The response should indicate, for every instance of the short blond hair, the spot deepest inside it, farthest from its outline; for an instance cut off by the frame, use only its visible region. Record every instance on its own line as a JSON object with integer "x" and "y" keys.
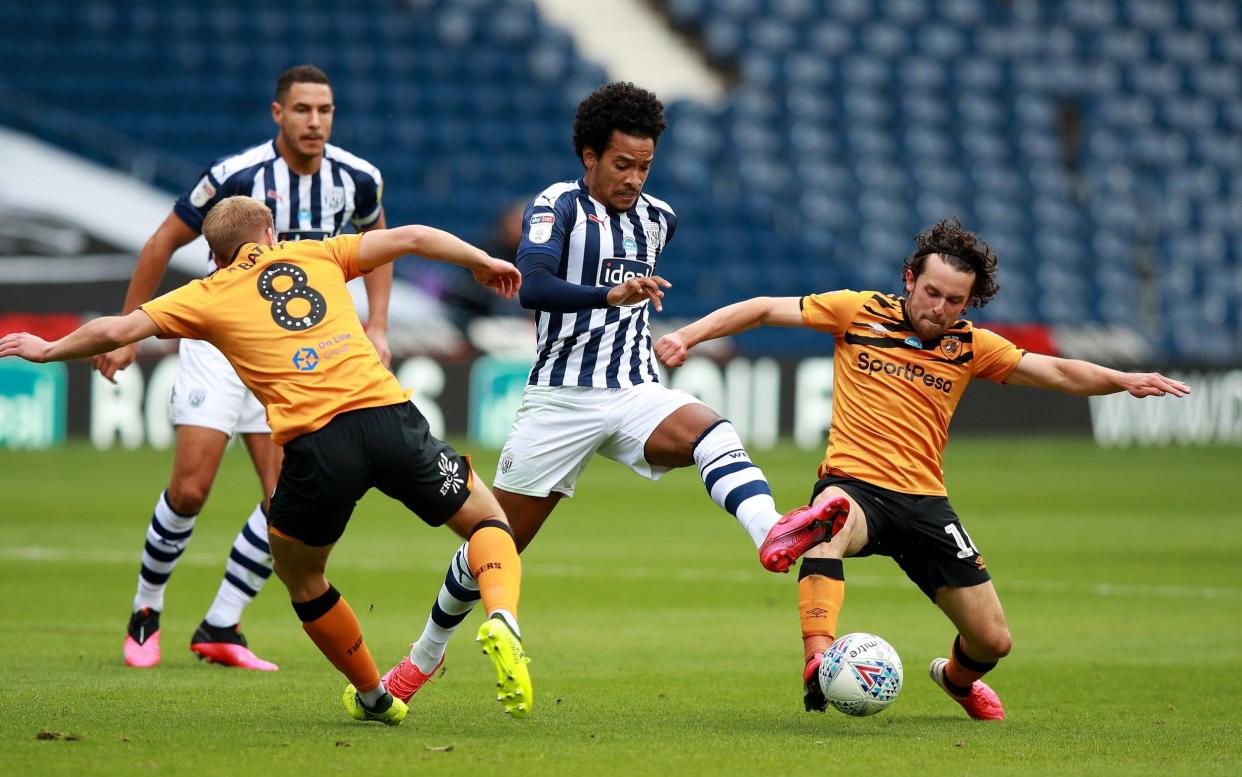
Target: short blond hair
{"x": 233, "y": 222}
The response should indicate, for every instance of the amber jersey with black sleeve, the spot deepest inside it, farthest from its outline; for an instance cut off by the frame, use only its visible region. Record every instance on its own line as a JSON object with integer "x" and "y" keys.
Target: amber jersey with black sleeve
{"x": 894, "y": 394}
{"x": 285, "y": 320}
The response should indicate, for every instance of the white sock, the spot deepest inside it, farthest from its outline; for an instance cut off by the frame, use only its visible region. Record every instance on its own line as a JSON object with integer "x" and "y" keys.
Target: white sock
{"x": 248, "y": 568}
{"x": 510, "y": 620}
{"x": 168, "y": 534}
{"x": 371, "y": 698}
{"x": 734, "y": 482}
{"x": 457, "y": 597}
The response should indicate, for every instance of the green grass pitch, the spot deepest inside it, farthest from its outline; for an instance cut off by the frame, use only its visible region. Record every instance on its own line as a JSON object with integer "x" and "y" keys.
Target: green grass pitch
{"x": 659, "y": 645}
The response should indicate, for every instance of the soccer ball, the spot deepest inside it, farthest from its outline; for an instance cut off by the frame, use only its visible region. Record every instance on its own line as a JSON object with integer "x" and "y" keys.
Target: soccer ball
{"x": 860, "y": 674}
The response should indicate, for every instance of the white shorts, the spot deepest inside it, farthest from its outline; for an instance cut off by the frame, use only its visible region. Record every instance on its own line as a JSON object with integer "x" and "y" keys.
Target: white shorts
{"x": 558, "y": 428}
{"x": 208, "y": 393}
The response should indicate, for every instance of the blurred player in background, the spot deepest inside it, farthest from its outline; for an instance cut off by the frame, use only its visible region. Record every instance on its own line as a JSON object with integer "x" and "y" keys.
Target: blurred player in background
{"x": 314, "y": 190}
{"x": 345, "y": 422}
{"x": 588, "y": 257}
{"x": 463, "y": 301}
{"x": 901, "y": 365}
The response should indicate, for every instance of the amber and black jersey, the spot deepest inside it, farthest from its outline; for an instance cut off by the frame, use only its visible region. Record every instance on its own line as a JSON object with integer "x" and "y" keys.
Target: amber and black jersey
{"x": 285, "y": 320}
{"x": 893, "y": 394}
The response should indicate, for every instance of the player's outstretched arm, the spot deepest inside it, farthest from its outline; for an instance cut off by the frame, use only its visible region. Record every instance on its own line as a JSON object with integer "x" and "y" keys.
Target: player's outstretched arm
{"x": 381, "y": 246}
{"x": 1085, "y": 379}
{"x": 172, "y": 234}
{"x": 102, "y": 334}
{"x": 672, "y": 349}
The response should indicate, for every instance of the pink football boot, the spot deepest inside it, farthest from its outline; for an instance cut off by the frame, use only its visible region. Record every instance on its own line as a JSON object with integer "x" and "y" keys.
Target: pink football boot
{"x": 812, "y": 694}
{"x": 142, "y": 640}
{"x": 404, "y": 679}
{"x": 227, "y": 647}
{"x": 981, "y": 703}
{"x": 800, "y": 530}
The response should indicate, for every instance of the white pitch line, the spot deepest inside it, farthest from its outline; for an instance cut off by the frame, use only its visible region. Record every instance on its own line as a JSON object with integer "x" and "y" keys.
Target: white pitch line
{"x": 682, "y": 574}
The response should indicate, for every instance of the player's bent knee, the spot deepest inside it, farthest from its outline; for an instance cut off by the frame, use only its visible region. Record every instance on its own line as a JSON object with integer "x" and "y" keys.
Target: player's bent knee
{"x": 480, "y": 507}
{"x": 303, "y": 582}
{"x": 853, "y": 534}
{"x": 1002, "y": 644}
{"x": 992, "y": 645}
{"x": 188, "y": 496}
{"x": 307, "y": 588}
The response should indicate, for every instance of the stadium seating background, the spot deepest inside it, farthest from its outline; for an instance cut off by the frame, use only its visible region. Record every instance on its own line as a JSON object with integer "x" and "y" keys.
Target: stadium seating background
{"x": 1094, "y": 143}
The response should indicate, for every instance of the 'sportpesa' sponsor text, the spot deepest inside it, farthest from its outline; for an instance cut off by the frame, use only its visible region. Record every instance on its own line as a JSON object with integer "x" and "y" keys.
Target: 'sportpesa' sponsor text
{"x": 915, "y": 373}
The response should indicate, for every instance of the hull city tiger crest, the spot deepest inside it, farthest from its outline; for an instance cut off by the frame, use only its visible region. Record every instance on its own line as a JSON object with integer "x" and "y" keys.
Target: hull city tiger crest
{"x": 950, "y": 345}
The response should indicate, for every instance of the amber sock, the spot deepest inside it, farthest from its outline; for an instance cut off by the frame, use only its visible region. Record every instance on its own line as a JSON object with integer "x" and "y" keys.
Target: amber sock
{"x": 821, "y": 592}
{"x": 496, "y": 567}
{"x": 962, "y": 670}
{"x": 332, "y": 626}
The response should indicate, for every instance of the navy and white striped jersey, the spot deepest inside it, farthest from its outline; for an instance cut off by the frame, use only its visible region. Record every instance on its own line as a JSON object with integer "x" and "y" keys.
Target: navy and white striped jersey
{"x": 346, "y": 190}
{"x": 592, "y": 246}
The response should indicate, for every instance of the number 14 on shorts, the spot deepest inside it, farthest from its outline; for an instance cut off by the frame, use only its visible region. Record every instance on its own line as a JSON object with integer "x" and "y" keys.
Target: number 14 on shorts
{"x": 965, "y": 545}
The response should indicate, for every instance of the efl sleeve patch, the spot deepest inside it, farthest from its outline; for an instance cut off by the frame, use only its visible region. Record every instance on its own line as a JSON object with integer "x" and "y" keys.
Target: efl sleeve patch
{"x": 541, "y": 227}
{"x": 201, "y": 194}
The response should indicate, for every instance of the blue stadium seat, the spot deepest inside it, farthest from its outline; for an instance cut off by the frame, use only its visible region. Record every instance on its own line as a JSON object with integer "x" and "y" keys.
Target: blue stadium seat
{"x": 964, "y": 12}
{"x": 1091, "y": 13}
{"x": 1151, "y": 14}
{"x": 831, "y": 38}
{"x": 909, "y": 12}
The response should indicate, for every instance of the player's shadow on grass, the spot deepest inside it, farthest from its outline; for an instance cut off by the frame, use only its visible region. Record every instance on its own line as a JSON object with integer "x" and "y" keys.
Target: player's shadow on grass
{"x": 883, "y": 725}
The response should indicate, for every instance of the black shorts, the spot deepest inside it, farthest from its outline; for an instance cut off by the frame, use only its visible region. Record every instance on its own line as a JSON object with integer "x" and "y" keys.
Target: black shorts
{"x": 327, "y": 471}
{"x": 921, "y": 533}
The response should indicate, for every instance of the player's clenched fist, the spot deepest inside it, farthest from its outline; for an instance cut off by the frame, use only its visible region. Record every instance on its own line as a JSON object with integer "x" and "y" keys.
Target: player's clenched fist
{"x": 671, "y": 350}
{"x": 112, "y": 362}
{"x": 637, "y": 289}
{"x": 499, "y": 275}
{"x": 24, "y": 345}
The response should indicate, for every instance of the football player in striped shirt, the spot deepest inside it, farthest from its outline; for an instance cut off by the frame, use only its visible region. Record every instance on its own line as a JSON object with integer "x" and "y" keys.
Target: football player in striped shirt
{"x": 314, "y": 190}
{"x": 588, "y": 261}
{"x": 346, "y": 424}
{"x": 900, "y": 367}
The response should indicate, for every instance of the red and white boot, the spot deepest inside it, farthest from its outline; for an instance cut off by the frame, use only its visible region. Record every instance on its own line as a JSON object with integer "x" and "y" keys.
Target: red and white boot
{"x": 981, "y": 703}
{"x": 800, "y": 530}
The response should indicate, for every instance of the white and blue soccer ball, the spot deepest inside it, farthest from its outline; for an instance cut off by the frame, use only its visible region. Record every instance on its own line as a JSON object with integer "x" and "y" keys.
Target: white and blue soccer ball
{"x": 860, "y": 674}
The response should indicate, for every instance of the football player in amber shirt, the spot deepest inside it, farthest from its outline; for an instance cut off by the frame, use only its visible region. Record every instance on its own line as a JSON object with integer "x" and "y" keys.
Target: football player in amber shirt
{"x": 281, "y": 314}
{"x": 900, "y": 367}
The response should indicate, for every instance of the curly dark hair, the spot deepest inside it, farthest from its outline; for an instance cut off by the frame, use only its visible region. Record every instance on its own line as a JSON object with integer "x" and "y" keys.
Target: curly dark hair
{"x": 962, "y": 250}
{"x": 617, "y": 106}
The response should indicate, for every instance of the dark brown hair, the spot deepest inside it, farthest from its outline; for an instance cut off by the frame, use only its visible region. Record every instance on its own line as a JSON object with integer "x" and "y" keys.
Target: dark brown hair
{"x": 301, "y": 74}
{"x": 963, "y": 251}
